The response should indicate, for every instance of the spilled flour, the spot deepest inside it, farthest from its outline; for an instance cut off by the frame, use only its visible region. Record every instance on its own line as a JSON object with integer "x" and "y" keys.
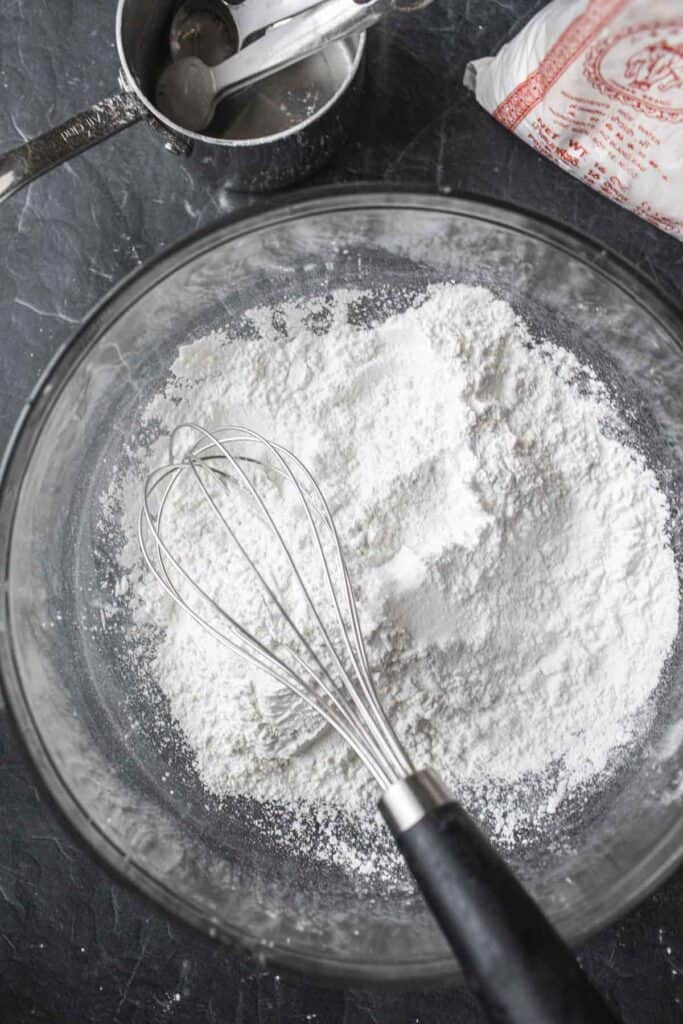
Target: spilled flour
{"x": 508, "y": 551}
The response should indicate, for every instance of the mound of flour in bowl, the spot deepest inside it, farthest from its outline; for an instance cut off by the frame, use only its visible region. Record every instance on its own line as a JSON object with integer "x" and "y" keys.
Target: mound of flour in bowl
{"x": 508, "y": 550}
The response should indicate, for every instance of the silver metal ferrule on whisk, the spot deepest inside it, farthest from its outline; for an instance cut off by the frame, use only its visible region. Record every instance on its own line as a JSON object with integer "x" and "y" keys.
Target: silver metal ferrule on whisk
{"x": 407, "y": 801}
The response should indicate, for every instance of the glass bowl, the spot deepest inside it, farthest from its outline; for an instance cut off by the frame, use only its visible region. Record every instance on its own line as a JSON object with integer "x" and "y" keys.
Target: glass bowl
{"x": 66, "y": 680}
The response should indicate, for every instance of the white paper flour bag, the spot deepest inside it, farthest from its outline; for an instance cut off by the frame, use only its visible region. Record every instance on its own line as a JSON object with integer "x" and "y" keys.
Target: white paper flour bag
{"x": 597, "y": 87}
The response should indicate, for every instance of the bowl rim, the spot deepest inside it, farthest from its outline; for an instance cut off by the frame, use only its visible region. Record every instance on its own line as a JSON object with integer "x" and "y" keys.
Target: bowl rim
{"x": 631, "y": 889}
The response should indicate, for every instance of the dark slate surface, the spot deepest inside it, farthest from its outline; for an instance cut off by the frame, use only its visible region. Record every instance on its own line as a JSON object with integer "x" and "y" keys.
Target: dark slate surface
{"x": 76, "y": 946}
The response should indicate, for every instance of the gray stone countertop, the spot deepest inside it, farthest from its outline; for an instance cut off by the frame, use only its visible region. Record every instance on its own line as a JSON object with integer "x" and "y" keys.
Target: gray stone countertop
{"x": 75, "y": 945}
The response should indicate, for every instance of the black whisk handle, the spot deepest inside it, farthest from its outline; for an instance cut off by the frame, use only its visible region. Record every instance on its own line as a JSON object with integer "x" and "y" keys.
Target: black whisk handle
{"x": 512, "y": 957}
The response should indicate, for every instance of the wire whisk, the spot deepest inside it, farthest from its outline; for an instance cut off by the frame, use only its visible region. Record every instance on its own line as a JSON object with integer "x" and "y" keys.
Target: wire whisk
{"x": 521, "y": 967}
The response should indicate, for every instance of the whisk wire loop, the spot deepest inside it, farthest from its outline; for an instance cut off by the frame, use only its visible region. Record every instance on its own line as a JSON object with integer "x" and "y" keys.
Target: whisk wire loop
{"x": 255, "y": 651}
{"x": 343, "y": 692}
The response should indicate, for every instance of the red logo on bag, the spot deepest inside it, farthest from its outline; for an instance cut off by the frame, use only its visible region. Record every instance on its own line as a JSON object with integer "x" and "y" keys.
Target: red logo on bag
{"x": 642, "y": 66}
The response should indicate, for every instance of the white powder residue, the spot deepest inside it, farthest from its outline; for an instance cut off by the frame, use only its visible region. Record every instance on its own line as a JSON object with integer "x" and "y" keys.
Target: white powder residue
{"x": 508, "y": 551}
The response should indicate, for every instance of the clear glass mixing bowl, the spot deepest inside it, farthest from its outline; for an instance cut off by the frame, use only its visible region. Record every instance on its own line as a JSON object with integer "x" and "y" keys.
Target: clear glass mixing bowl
{"x": 80, "y": 707}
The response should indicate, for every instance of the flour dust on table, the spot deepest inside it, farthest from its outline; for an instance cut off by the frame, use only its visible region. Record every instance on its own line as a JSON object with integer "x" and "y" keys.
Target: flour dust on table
{"x": 506, "y": 540}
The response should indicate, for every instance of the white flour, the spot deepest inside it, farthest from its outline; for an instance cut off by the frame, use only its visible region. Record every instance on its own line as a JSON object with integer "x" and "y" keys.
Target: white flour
{"x": 509, "y": 555}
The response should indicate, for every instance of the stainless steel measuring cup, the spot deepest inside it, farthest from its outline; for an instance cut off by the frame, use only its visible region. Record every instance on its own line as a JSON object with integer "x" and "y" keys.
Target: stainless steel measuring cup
{"x": 266, "y": 145}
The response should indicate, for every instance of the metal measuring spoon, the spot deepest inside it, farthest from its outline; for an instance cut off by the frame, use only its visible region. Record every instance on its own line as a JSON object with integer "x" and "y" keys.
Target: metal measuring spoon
{"x": 188, "y": 90}
{"x": 214, "y": 30}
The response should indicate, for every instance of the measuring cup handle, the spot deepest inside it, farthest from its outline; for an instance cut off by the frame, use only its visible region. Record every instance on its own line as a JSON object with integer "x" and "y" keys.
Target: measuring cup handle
{"x": 35, "y": 157}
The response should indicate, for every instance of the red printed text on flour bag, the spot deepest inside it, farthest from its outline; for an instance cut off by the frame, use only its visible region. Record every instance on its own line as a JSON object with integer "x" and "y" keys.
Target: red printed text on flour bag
{"x": 597, "y": 87}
